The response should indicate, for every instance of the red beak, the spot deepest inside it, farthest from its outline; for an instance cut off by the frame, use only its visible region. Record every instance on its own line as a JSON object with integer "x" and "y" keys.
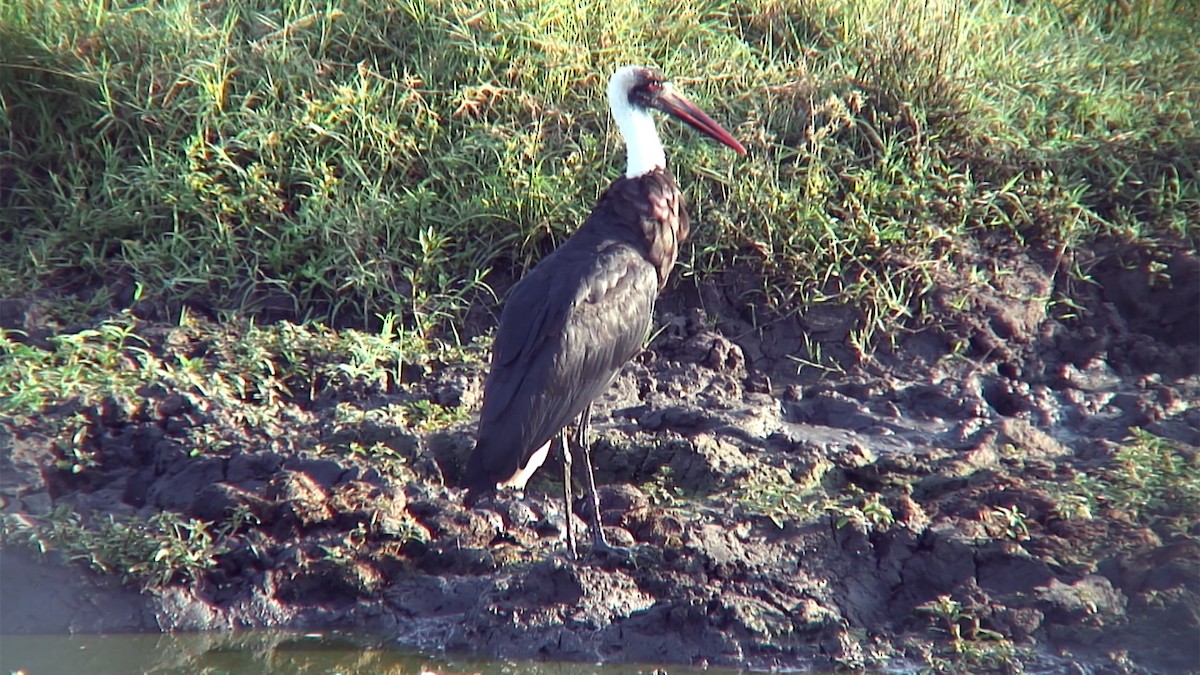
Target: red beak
{"x": 676, "y": 105}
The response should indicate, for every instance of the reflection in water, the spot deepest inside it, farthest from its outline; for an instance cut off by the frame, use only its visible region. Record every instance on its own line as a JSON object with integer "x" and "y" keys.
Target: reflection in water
{"x": 256, "y": 652}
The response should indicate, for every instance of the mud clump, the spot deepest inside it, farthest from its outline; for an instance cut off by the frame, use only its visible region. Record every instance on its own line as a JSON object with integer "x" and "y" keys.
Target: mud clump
{"x": 1003, "y": 489}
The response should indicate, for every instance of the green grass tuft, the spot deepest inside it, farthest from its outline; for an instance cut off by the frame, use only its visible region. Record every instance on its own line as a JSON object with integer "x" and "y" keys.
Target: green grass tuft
{"x": 1152, "y": 479}
{"x": 155, "y": 551}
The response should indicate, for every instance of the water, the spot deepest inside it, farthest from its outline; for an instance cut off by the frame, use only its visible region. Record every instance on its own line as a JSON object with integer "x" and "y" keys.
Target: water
{"x": 260, "y": 652}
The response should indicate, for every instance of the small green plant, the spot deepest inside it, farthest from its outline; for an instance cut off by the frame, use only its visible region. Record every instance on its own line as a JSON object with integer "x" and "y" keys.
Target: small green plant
{"x": 71, "y": 444}
{"x": 876, "y": 513}
{"x": 381, "y": 455}
{"x": 864, "y": 511}
{"x": 850, "y": 516}
{"x": 425, "y": 415}
{"x": 949, "y": 612}
{"x": 1011, "y": 521}
{"x": 781, "y": 501}
{"x": 344, "y": 550}
{"x": 347, "y": 414}
{"x": 1073, "y": 506}
{"x": 960, "y": 623}
{"x": 816, "y": 358}
{"x": 661, "y": 488}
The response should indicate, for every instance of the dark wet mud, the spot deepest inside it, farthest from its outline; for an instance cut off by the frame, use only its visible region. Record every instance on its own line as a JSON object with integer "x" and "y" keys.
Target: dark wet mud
{"x": 958, "y": 499}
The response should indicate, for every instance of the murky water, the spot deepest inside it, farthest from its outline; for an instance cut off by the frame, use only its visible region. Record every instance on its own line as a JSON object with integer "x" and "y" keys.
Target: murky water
{"x": 260, "y": 652}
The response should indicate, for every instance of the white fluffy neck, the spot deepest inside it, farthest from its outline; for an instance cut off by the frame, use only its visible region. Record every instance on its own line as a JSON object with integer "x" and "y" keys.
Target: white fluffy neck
{"x": 643, "y": 148}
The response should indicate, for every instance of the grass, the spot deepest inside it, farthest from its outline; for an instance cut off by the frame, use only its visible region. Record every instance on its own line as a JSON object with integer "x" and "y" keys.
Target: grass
{"x": 1149, "y": 480}
{"x": 339, "y": 164}
{"x": 822, "y": 495}
{"x": 1153, "y": 480}
{"x": 154, "y": 551}
{"x": 233, "y": 366}
{"x": 241, "y": 385}
{"x": 106, "y": 360}
{"x": 246, "y": 382}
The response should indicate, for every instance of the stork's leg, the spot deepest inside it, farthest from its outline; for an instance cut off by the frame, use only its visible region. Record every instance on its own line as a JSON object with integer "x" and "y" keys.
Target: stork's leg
{"x": 600, "y": 545}
{"x": 568, "y": 499}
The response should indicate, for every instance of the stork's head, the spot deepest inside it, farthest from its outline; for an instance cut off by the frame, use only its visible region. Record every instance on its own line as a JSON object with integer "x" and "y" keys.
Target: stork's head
{"x": 632, "y": 92}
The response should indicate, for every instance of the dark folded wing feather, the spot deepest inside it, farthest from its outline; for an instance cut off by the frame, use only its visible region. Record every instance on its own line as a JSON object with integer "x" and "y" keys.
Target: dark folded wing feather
{"x": 571, "y": 323}
{"x": 572, "y": 328}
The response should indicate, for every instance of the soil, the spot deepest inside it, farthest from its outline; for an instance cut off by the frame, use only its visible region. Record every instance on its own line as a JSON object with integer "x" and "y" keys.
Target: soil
{"x": 779, "y": 515}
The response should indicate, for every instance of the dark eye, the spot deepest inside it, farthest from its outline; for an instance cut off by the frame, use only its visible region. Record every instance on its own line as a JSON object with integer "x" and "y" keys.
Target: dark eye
{"x": 643, "y": 95}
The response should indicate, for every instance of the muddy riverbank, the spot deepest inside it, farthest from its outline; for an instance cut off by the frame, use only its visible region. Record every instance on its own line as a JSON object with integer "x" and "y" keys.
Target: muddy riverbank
{"x": 1015, "y": 479}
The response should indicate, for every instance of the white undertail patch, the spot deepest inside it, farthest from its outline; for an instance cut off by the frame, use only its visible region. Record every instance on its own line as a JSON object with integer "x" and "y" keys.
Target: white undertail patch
{"x": 524, "y": 473}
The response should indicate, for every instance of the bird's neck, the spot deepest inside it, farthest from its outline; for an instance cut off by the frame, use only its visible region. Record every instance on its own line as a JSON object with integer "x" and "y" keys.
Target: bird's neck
{"x": 644, "y": 150}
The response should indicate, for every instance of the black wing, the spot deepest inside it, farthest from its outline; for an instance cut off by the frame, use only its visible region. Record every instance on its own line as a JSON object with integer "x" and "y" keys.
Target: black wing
{"x": 567, "y": 328}
{"x": 571, "y": 323}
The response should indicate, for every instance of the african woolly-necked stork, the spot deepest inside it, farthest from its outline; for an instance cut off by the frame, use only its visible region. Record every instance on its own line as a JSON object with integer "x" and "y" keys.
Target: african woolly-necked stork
{"x": 576, "y": 318}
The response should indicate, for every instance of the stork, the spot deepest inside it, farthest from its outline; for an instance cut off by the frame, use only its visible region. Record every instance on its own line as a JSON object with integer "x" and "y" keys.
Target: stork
{"x": 572, "y": 322}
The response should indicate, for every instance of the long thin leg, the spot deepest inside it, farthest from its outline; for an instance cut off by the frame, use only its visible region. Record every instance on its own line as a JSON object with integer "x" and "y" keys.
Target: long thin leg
{"x": 599, "y": 543}
{"x": 568, "y": 500}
